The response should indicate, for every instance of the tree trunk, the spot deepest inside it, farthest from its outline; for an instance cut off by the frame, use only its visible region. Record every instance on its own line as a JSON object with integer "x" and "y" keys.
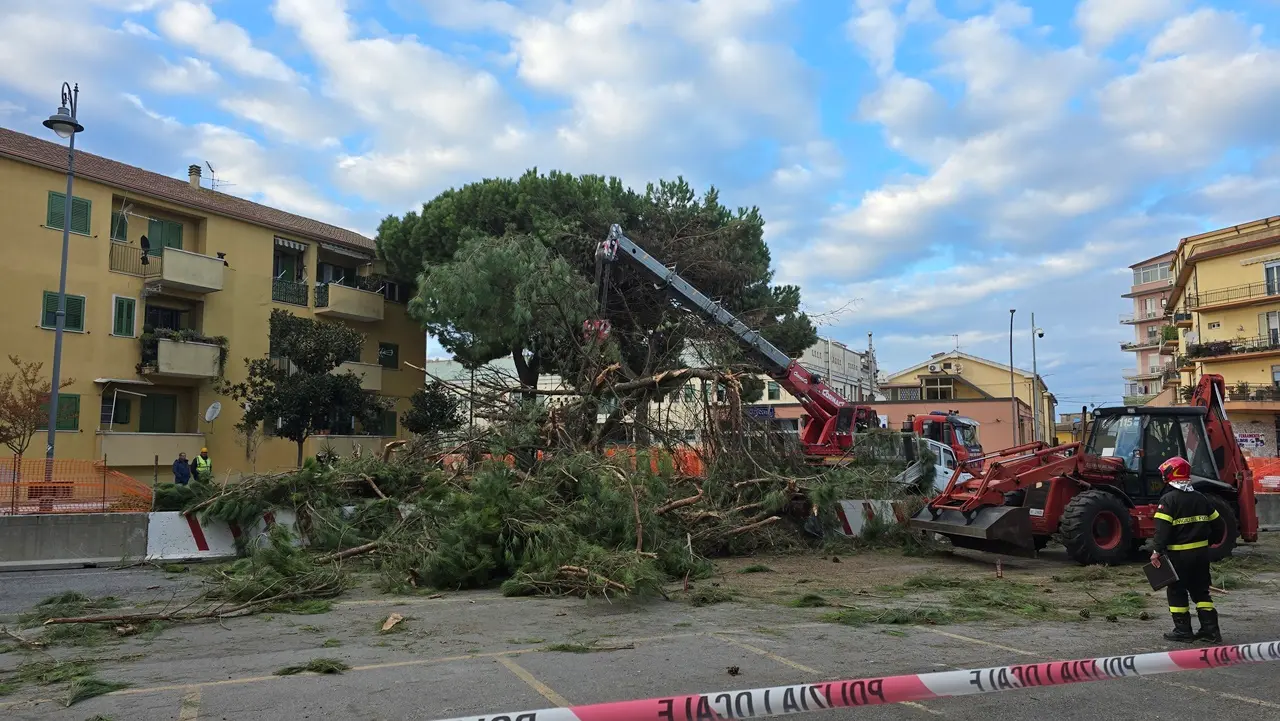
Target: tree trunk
{"x": 300, "y": 444}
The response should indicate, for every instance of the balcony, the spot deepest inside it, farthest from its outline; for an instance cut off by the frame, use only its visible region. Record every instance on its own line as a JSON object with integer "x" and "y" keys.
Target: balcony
{"x": 174, "y": 268}
{"x": 1256, "y": 346}
{"x": 1139, "y": 400}
{"x": 182, "y": 354}
{"x": 288, "y": 291}
{"x": 143, "y": 449}
{"x": 1182, "y": 320}
{"x": 1134, "y": 374}
{"x": 340, "y": 301}
{"x": 370, "y": 374}
{"x": 1151, "y": 341}
{"x": 1236, "y": 295}
{"x": 1141, "y": 317}
{"x": 1252, "y": 396}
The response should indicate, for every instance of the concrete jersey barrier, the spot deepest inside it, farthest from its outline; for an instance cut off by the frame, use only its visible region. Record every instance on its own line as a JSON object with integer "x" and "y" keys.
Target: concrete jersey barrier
{"x": 71, "y": 540}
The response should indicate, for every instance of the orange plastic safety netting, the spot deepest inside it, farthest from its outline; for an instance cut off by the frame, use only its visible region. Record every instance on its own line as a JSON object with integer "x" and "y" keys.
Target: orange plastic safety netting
{"x": 33, "y": 485}
{"x": 1266, "y": 474}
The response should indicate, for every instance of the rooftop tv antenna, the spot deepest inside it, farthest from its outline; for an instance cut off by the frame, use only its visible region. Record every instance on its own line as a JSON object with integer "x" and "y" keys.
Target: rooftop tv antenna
{"x": 214, "y": 183}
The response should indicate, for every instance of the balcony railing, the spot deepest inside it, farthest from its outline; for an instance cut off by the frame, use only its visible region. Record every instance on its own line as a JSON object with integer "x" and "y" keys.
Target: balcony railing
{"x": 1237, "y": 346}
{"x": 1140, "y": 399}
{"x": 288, "y": 291}
{"x": 1253, "y": 392}
{"x": 1148, "y": 372}
{"x": 1141, "y": 316}
{"x": 1150, "y": 341}
{"x": 1182, "y": 320}
{"x": 127, "y": 259}
{"x": 1233, "y": 294}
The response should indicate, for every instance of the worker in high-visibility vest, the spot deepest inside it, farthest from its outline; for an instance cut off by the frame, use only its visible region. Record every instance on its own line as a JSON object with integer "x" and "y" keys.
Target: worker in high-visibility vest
{"x": 1185, "y": 521}
{"x": 202, "y": 466}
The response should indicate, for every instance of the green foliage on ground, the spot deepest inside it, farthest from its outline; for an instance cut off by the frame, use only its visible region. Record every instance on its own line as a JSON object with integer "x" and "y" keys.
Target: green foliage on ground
{"x": 87, "y": 687}
{"x": 315, "y": 665}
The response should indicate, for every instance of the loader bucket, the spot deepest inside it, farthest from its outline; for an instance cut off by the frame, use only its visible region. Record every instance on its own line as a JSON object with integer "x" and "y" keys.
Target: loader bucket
{"x": 995, "y": 529}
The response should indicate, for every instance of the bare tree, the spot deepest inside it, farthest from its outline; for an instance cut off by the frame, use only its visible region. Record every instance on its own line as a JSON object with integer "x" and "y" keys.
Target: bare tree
{"x": 24, "y": 403}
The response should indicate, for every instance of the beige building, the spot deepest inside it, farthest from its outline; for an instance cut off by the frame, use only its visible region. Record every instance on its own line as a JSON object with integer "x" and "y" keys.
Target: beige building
{"x": 1224, "y": 302}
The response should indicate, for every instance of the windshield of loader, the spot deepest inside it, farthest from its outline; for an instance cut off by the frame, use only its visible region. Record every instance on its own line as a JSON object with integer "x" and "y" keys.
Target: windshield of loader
{"x": 1118, "y": 437}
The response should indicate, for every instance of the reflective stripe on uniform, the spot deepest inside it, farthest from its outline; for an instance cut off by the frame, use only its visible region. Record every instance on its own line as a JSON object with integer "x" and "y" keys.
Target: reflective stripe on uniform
{"x": 1204, "y": 605}
{"x": 1188, "y": 519}
{"x": 1188, "y": 546}
{"x": 1179, "y": 609}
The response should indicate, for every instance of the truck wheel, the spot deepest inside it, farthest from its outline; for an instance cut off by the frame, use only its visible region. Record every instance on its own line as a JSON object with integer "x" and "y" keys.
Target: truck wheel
{"x": 1221, "y": 548}
{"x": 1096, "y": 529}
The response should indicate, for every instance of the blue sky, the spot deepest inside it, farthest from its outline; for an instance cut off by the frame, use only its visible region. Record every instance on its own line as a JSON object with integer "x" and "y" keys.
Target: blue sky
{"x": 923, "y": 165}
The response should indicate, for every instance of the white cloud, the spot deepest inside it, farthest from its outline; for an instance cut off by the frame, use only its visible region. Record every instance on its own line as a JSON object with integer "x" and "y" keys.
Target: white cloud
{"x": 136, "y": 102}
{"x": 193, "y": 24}
{"x": 141, "y": 31}
{"x": 191, "y": 75}
{"x": 1102, "y": 22}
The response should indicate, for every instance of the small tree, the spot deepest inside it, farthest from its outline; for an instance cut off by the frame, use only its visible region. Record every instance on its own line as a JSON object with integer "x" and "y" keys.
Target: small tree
{"x": 433, "y": 409}
{"x": 295, "y": 387}
{"x": 24, "y": 403}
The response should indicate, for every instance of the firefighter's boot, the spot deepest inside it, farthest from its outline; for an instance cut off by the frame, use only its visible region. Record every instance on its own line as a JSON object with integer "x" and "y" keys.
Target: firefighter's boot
{"x": 1181, "y": 632}
{"x": 1208, "y": 626}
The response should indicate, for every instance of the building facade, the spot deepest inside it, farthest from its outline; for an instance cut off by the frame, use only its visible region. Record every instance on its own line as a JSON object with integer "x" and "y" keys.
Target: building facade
{"x": 1150, "y": 292}
{"x": 977, "y": 388}
{"x": 1224, "y": 303}
{"x": 150, "y": 331}
{"x": 851, "y": 373}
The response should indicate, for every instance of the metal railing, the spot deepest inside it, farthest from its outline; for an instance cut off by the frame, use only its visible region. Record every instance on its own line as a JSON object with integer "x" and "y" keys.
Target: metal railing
{"x": 288, "y": 291}
{"x": 1141, "y": 316}
{"x": 1235, "y": 293}
{"x": 127, "y": 259}
{"x": 1151, "y": 341}
{"x": 1139, "y": 399}
{"x": 1182, "y": 317}
{"x": 322, "y": 295}
{"x": 1253, "y": 392}
{"x": 1236, "y": 346}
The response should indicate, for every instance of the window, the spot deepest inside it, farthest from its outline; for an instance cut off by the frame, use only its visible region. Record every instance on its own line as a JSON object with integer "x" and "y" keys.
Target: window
{"x": 158, "y": 413}
{"x": 75, "y": 312}
{"x": 336, "y": 274}
{"x": 1215, "y": 325}
{"x": 389, "y": 423}
{"x": 163, "y": 234}
{"x": 395, "y": 292}
{"x": 688, "y": 392}
{"x": 286, "y": 265}
{"x": 938, "y": 389}
{"x": 81, "y": 209}
{"x": 1269, "y": 326}
{"x": 1272, "y": 271}
{"x": 122, "y": 317}
{"x": 775, "y": 391}
{"x": 1275, "y": 379}
{"x": 121, "y": 410}
{"x": 119, "y": 227}
{"x": 159, "y": 316}
{"x": 389, "y": 356}
{"x": 68, "y": 413}
{"x": 722, "y": 393}
{"x": 908, "y": 394}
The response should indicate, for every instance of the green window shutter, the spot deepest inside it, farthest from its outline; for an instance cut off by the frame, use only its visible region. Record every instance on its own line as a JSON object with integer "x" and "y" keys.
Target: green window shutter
{"x": 123, "y": 323}
{"x": 68, "y": 411}
{"x": 56, "y": 211}
{"x": 75, "y": 312}
{"x": 155, "y": 236}
{"x": 119, "y": 227}
{"x": 388, "y": 423}
{"x": 123, "y": 410}
{"x": 49, "y": 310}
{"x": 81, "y": 212}
{"x": 173, "y": 236}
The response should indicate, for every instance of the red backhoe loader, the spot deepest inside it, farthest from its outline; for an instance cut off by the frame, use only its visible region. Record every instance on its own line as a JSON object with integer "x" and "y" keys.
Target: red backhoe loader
{"x": 1100, "y": 497}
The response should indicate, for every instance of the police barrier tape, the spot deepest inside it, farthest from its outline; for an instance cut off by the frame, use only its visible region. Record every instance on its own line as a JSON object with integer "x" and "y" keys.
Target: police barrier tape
{"x": 803, "y": 698}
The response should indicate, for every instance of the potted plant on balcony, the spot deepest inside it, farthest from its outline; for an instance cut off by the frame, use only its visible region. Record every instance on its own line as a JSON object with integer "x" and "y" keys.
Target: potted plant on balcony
{"x": 151, "y": 337}
{"x": 1240, "y": 392}
{"x": 1185, "y": 393}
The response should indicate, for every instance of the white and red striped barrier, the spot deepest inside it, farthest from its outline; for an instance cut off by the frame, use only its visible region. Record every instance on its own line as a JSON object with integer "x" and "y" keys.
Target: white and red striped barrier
{"x": 855, "y": 515}
{"x": 174, "y": 536}
{"x": 803, "y": 698}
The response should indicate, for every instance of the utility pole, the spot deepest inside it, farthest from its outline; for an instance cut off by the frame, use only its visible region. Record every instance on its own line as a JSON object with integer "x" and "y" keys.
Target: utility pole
{"x": 1013, "y": 394}
{"x": 1035, "y": 380}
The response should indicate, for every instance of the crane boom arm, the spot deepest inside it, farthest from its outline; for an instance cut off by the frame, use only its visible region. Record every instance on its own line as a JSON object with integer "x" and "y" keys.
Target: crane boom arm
{"x": 831, "y": 416}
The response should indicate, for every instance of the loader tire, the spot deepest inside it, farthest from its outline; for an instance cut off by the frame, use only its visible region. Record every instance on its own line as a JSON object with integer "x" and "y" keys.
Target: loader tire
{"x": 1221, "y": 548}
{"x": 1096, "y": 528}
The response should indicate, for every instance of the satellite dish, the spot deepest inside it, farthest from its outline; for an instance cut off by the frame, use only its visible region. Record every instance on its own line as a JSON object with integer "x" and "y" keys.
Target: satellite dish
{"x": 214, "y": 409}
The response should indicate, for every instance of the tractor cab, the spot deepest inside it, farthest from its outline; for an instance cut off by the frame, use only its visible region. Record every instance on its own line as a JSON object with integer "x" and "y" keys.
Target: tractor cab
{"x": 1144, "y": 437}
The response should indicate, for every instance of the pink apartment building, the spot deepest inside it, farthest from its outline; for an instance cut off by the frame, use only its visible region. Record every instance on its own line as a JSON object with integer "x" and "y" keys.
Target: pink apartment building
{"x": 1151, "y": 283}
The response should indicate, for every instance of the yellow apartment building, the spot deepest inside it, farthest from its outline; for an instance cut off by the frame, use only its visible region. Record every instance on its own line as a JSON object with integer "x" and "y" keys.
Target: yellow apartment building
{"x": 977, "y": 388}
{"x": 1225, "y": 302}
{"x": 149, "y": 332}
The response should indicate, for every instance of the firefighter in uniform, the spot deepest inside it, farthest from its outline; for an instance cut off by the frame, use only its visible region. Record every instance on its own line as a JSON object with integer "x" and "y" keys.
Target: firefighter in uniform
{"x": 1185, "y": 521}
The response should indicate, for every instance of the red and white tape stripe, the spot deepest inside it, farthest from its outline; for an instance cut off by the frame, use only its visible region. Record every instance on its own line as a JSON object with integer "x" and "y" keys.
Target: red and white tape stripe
{"x": 803, "y": 698}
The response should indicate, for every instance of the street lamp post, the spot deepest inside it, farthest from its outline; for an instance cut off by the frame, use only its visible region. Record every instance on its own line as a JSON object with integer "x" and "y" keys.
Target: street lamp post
{"x": 63, "y": 123}
{"x": 1035, "y": 382}
{"x": 1013, "y": 395}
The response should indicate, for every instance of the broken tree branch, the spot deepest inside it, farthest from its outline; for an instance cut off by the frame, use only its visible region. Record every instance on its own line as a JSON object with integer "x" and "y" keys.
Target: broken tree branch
{"x": 350, "y": 552}
{"x": 753, "y": 526}
{"x": 681, "y": 503}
